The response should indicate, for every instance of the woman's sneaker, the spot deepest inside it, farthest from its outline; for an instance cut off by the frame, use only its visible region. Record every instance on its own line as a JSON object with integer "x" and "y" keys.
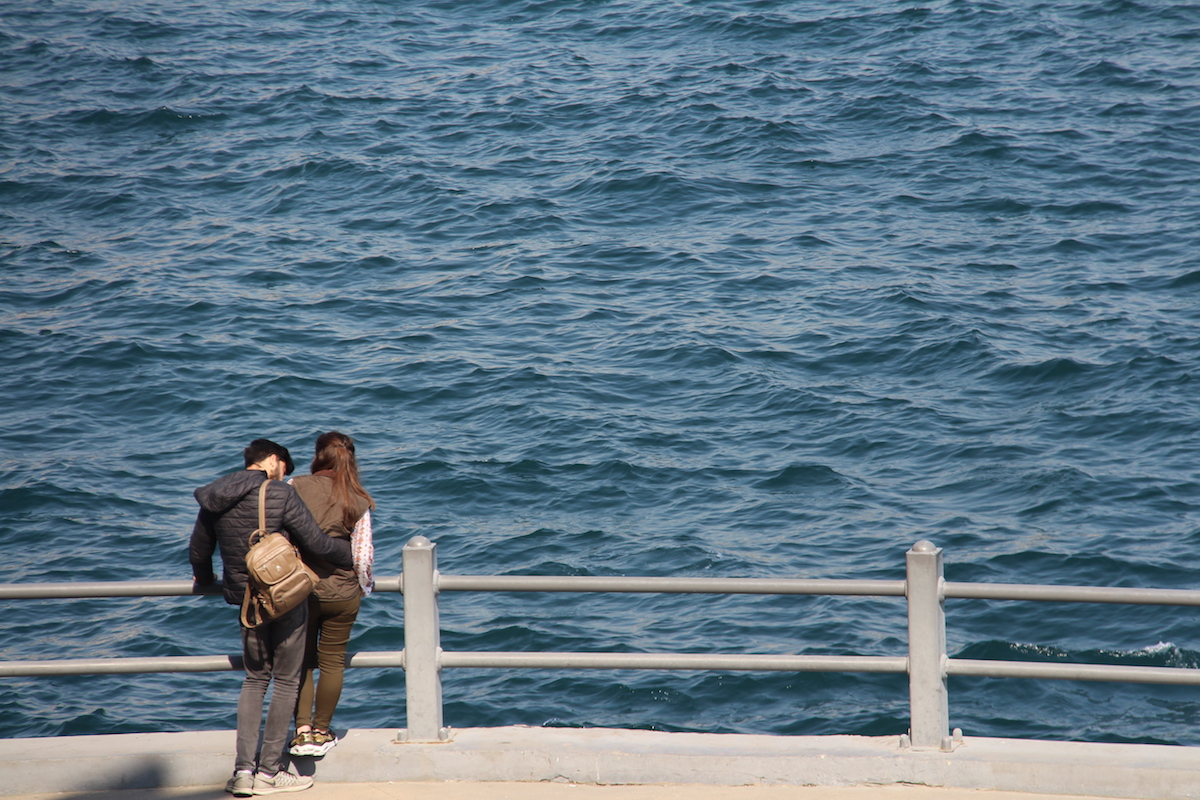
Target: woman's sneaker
{"x": 302, "y": 745}
{"x": 322, "y": 743}
{"x": 282, "y": 781}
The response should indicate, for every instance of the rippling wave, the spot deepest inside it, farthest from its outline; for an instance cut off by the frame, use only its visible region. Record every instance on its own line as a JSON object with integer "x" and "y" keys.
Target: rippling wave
{"x": 630, "y": 288}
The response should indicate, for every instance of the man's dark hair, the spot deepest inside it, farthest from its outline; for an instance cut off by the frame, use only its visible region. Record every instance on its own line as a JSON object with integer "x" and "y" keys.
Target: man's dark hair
{"x": 261, "y": 448}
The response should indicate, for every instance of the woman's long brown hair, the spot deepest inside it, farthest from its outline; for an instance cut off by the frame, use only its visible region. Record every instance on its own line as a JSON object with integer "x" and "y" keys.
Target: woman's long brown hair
{"x": 335, "y": 452}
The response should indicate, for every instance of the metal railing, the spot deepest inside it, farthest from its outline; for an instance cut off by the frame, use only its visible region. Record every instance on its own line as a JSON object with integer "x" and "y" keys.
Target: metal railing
{"x": 927, "y": 664}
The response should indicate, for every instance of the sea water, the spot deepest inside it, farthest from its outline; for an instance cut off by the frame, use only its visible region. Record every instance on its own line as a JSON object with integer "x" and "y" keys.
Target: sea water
{"x": 629, "y": 287}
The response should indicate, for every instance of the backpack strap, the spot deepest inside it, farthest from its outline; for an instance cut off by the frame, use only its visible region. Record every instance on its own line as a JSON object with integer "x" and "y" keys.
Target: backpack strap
{"x": 262, "y": 514}
{"x": 262, "y": 505}
{"x": 251, "y": 615}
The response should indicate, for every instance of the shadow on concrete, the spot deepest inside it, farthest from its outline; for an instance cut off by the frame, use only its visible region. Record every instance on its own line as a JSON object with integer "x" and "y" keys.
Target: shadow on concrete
{"x": 162, "y": 793}
{"x": 148, "y": 779}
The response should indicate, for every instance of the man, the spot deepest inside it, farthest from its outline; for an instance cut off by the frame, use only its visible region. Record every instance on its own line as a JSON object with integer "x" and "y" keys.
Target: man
{"x": 275, "y": 650}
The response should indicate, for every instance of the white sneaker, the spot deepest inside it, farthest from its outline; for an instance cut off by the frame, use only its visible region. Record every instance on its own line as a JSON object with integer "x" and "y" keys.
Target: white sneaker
{"x": 241, "y": 784}
{"x": 282, "y": 781}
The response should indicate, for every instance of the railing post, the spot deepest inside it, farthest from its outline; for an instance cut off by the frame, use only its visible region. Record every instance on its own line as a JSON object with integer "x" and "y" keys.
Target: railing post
{"x": 422, "y": 643}
{"x": 929, "y": 707}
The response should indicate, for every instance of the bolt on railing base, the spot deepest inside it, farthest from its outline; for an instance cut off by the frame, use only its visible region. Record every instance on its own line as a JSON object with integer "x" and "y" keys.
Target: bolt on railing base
{"x": 444, "y": 735}
{"x": 949, "y": 743}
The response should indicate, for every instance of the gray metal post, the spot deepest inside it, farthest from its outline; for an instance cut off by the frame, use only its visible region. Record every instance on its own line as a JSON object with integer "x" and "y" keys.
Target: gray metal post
{"x": 422, "y": 643}
{"x": 929, "y": 707}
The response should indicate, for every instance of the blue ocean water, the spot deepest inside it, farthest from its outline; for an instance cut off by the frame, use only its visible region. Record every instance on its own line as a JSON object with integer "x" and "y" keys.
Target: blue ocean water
{"x": 625, "y": 287}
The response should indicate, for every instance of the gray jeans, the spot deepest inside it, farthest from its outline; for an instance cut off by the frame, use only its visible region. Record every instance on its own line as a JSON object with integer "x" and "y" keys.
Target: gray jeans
{"x": 273, "y": 651}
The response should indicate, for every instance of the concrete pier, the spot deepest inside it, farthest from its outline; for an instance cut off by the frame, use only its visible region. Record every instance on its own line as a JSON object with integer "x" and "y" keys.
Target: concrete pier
{"x": 572, "y": 791}
{"x": 609, "y": 764}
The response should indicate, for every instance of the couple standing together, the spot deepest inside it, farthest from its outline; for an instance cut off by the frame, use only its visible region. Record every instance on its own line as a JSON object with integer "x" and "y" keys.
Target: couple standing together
{"x": 327, "y": 515}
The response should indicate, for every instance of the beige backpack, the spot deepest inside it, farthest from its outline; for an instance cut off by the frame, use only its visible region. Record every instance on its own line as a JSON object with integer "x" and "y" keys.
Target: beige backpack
{"x": 279, "y": 580}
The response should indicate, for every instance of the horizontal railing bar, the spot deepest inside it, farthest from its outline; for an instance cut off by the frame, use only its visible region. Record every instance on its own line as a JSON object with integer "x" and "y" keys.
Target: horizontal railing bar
{"x": 393, "y": 584}
{"x": 663, "y": 661}
{"x": 1073, "y": 594}
{"x": 600, "y": 583}
{"x": 1073, "y": 672}
{"x": 675, "y": 661}
{"x": 376, "y": 658}
{"x": 120, "y": 666}
{"x": 82, "y": 589}
{"x": 591, "y": 583}
{"x": 86, "y": 589}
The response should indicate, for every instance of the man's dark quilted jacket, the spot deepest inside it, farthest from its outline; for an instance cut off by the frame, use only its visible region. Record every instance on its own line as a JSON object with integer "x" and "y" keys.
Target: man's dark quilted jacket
{"x": 229, "y": 514}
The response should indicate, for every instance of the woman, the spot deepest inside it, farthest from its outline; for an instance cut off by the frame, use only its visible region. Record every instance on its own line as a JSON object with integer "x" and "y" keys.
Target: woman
{"x": 342, "y": 508}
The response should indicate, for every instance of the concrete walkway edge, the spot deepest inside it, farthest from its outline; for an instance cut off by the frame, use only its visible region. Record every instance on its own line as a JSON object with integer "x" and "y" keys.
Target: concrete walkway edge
{"x": 616, "y": 757}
